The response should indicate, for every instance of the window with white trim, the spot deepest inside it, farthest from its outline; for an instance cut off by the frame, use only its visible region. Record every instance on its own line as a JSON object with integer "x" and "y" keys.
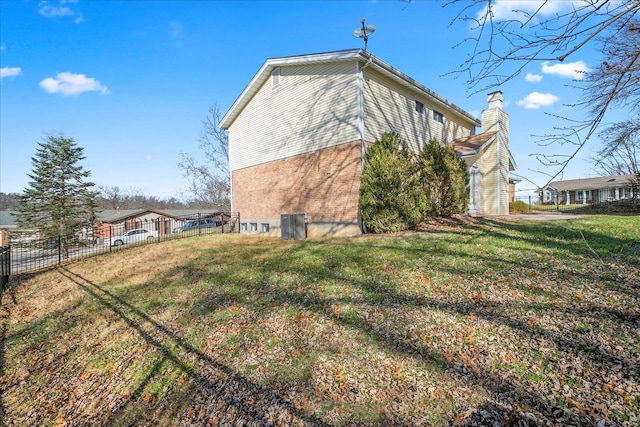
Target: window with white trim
{"x": 419, "y": 107}
{"x": 438, "y": 116}
{"x": 275, "y": 77}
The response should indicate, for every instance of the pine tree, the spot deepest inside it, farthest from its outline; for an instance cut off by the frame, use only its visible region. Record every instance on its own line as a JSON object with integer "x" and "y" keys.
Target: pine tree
{"x": 58, "y": 201}
{"x": 445, "y": 179}
{"x": 391, "y": 196}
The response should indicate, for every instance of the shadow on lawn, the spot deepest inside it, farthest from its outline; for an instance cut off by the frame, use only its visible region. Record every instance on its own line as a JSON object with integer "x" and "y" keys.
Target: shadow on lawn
{"x": 227, "y": 394}
{"x": 268, "y": 293}
{"x": 233, "y": 394}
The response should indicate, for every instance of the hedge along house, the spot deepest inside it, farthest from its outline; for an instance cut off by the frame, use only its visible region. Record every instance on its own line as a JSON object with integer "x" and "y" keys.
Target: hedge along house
{"x": 299, "y": 130}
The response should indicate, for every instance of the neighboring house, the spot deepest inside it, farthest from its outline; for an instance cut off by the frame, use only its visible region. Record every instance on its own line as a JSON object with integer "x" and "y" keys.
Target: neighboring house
{"x": 299, "y": 130}
{"x": 116, "y": 221}
{"x": 588, "y": 190}
{"x": 7, "y": 222}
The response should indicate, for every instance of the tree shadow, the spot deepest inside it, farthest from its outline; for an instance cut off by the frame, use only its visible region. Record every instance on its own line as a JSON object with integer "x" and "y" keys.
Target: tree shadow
{"x": 248, "y": 401}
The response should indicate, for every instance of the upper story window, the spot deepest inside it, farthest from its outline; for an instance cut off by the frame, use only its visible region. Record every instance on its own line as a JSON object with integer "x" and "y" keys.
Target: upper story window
{"x": 419, "y": 107}
{"x": 275, "y": 77}
{"x": 438, "y": 117}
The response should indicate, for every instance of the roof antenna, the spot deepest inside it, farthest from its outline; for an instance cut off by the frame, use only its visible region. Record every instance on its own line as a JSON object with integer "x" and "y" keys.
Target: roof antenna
{"x": 364, "y": 32}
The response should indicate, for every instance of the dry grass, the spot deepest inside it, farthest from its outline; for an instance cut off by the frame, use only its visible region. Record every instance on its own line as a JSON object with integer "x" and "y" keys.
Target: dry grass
{"x": 464, "y": 323}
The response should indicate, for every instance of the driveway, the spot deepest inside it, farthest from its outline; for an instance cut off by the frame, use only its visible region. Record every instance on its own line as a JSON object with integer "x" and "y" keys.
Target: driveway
{"x": 547, "y": 216}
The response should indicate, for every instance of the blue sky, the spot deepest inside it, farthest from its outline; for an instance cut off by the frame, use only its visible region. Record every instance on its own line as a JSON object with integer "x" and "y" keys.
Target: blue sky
{"x": 131, "y": 81}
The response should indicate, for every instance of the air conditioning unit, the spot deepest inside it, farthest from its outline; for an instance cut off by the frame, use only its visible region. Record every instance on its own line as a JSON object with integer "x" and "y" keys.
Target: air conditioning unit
{"x": 293, "y": 226}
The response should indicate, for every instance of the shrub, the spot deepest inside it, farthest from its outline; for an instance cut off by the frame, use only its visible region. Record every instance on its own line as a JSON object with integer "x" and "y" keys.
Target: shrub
{"x": 391, "y": 197}
{"x": 445, "y": 179}
{"x": 518, "y": 207}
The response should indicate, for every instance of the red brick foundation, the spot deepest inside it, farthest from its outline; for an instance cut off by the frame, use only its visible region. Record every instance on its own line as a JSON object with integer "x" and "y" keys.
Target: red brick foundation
{"x": 324, "y": 184}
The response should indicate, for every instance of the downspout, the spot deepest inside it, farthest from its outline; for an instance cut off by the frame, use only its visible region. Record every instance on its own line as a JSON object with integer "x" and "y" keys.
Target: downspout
{"x": 360, "y": 119}
{"x": 499, "y": 177}
{"x": 360, "y": 107}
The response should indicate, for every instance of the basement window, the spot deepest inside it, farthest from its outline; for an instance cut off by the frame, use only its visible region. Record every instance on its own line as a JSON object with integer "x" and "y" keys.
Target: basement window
{"x": 264, "y": 227}
{"x": 243, "y": 226}
{"x": 419, "y": 107}
{"x": 254, "y": 226}
{"x": 438, "y": 116}
{"x": 275, "y": 77}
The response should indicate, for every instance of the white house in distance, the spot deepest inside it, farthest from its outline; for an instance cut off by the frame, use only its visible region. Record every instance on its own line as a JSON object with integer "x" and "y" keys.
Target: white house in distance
{"x": 588, "y": 190}
{"x": 299, "y": 131}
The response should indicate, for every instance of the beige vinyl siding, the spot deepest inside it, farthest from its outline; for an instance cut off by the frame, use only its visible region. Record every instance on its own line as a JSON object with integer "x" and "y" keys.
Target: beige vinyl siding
{"x": 313, "y": 107}
{"x": 390, "y": 107}
{"x": 504, "y": 179}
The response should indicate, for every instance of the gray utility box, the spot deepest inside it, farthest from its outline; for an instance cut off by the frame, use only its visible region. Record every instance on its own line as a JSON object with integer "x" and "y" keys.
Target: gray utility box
{"x": 293, "y": 226}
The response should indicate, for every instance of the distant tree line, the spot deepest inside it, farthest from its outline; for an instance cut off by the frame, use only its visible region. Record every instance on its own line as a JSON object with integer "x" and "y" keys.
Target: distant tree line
{"x": 117, "y": 198}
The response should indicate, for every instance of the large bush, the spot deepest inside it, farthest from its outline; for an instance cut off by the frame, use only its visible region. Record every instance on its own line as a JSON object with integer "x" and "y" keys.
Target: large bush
{"x": 391, "y": 195}
{"x": 445, "y": 179}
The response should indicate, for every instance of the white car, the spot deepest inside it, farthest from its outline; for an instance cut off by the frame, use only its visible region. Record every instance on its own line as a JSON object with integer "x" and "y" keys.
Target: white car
{"x": 131, "y": 236}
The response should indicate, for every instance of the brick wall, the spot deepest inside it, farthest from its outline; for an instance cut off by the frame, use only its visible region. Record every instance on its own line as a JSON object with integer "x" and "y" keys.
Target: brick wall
{"x": 324, "y": 184}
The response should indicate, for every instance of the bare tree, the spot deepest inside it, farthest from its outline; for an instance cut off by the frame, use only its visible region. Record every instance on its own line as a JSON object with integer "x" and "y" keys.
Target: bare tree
{"x": 210, "y": 180}
{"x": 505, "y": 42}
{"x": 620, "y": 153}
{"x": 129, "y": 198}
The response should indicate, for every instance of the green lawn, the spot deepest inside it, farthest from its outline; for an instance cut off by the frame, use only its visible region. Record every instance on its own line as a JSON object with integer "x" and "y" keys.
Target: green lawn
{"x": 507, "y": 322}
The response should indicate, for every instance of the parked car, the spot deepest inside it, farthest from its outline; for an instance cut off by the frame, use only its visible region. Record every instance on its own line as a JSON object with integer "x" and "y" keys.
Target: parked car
{"x": 131, "y": 236}
{"x": 193, "y": 224}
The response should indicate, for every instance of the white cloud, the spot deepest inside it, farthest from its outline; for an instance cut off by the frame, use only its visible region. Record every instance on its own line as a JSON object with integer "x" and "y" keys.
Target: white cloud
{"x": 533, "y": 78}
{"x": 10, "y": 72}
{"x": 49, "y": 11}
{"x": 175, "y": 29}
{"x": 69, "y": 84}
{"x": 575, "y": 70}
{"x": 521, "y": 9}
{"x": 535, "y": 100}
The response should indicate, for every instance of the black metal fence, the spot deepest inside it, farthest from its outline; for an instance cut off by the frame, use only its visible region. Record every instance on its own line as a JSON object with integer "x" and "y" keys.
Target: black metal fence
{"x": 29, "y": 251}
{"x": 5, "y": 267}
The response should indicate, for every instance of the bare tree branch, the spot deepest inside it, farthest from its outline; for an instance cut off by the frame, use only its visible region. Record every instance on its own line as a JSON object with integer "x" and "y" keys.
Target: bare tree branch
{"x": 208, "y": 176}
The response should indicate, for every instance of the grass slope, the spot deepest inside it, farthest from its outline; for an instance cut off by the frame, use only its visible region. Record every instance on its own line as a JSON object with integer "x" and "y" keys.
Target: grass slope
{"x": 494, "y": 322}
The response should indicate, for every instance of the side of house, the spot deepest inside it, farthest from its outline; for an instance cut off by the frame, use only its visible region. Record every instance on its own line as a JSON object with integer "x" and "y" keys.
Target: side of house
{"x": 299, "y": 130}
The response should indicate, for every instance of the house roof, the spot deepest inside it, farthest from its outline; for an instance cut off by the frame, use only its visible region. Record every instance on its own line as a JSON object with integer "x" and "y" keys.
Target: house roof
{"x": 8, "y": 219}
{"x": 339, "y": 56}
{"x": 117, "y": 215}
{"x": 471, "y": 145}
{"x": 592, "y": 183}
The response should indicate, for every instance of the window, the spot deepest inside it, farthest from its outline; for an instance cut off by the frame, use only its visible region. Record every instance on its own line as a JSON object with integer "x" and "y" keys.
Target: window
{"x": 419, "y": 107}
{"x": 275, "y": 77}
{"x": 243, "y": 226}
{"x": 264, "y": 227}
{"x": 254, "y": 226}
{"x": 438, "y": 117}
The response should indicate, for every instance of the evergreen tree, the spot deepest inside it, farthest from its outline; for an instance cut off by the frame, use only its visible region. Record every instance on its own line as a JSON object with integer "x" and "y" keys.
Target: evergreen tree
{"x": 58, "y": 201}
{"x": 445, "y": 179}
{"x": 391, "y": 197}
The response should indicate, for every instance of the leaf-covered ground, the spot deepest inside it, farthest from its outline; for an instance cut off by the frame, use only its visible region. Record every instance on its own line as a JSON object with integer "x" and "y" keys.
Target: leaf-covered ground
{"x": 476, "y": 323}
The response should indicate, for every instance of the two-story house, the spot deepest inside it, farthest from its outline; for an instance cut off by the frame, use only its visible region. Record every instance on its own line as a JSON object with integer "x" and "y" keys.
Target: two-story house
{"x": 299, "y": 131}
